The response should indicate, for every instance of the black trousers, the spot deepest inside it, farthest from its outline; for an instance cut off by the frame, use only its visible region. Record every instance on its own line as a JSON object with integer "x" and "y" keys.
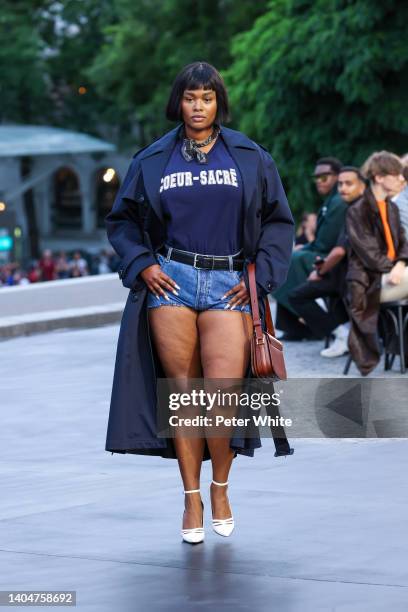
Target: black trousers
{"x": 320, "y": 322}
{"x": 287, "y": 322}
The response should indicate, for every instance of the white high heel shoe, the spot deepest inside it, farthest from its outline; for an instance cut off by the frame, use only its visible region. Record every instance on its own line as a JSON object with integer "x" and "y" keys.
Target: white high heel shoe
{"x": 223, "y": 527}
{"x": 194, "y": 535}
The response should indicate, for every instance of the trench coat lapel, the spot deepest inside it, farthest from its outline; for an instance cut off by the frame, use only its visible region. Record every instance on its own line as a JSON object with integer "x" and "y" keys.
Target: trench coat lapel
{"x": 245, "y": 155}
{"x": 153, "y": 164}
{"x": 246, "y": 159}
{"x": 154, "y": 161}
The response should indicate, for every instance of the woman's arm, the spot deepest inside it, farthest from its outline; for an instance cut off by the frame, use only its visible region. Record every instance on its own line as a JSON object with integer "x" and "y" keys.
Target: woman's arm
{"x": 277, "y": 230}
{"x": 125, "y": 232}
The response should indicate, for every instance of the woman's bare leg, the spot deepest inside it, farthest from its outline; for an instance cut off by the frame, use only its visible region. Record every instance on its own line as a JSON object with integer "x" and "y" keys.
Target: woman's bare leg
{"x": 225, "y": 353}
{"x": 175, "y": 334}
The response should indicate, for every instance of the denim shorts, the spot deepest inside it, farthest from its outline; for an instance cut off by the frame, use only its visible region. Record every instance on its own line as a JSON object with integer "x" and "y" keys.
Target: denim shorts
{"x": 199, "y": 289}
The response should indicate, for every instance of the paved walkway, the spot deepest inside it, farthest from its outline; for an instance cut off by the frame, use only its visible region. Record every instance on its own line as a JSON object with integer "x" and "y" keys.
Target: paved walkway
{"x": 322, "y": 530}
{"x": 304, "y": 360}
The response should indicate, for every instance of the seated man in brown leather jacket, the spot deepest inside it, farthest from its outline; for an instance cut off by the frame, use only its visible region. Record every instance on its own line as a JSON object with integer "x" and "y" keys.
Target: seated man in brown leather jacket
{"x": 377, "y": 256}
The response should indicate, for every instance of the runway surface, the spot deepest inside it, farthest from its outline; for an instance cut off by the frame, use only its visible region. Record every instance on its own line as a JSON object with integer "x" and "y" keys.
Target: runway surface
{"x": 322, "y": 530}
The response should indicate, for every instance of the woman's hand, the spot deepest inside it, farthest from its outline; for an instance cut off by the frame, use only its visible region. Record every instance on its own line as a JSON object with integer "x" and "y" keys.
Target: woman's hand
{"x": 396, "y": 273}
{"x": 156, "y": 281}
{"x": 241, "y": 295}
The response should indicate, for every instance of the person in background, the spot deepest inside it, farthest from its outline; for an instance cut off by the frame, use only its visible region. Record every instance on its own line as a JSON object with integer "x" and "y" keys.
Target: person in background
{"x": 401, "y": 199}
{"x": 103, "y": 263}
{"x": 330, "y": 219}
{"x": 47, "y": 266}
{"x": 75, "y": 272}
{"x": 328, "y": 279}
{"x": 377, "y": 256}
{"x": 34, "y": 272}
{"x": 20, "y": 277}
{"x": 306, "y": 231}
{"x": 10, "y": 274}
{"x": 78, "y": 265}
{"x": 62, "y": 265}
{"x": 114, "y": 260}
{"x": 94, "y": 264}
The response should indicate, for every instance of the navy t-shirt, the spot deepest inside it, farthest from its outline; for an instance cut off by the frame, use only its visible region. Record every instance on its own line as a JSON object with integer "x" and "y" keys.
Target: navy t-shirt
{"x": 203, "y": 203}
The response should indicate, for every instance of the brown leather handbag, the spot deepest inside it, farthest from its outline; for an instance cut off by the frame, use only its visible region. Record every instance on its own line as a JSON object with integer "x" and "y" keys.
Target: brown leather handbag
{"x": 267, "y": 361}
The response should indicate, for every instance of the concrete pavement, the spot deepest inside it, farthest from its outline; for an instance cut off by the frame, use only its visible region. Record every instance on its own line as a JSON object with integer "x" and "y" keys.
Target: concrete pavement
{"x": 322, "y": 530}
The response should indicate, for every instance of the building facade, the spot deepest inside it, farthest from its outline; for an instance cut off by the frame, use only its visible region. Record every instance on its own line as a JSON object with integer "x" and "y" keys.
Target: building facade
{"x": 56, "y": 187}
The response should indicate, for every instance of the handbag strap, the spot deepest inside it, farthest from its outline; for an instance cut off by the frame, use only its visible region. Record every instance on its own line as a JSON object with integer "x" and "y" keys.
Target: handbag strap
{"x": 255, "y": 306}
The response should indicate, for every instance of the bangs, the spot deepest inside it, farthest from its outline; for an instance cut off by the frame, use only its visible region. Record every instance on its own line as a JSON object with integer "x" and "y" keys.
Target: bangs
{"x": 199, "y": 75}
{"x": 200, "y": 79}
{"x": 381, "y": 163}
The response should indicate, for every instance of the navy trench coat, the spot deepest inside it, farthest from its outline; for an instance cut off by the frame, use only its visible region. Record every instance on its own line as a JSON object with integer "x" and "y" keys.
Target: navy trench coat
{"x": 136, "y": 229}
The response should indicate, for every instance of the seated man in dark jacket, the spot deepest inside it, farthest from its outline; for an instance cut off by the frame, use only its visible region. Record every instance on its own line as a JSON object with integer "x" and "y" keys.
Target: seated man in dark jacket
{"x": 329, "y": 278}
{"x": 329, "y": 219}
{"x": 377, "y": 256}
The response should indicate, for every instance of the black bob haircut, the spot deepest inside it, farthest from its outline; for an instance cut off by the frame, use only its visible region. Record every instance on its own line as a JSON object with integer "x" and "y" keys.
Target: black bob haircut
{"x": 196, "y": 76}
{"x": 334, "y": 163}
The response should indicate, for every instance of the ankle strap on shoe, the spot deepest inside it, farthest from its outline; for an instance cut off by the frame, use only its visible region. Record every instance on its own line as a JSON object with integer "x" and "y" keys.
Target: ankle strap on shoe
{"x": 193, "y": 491}
{"x": 221, "y": 484}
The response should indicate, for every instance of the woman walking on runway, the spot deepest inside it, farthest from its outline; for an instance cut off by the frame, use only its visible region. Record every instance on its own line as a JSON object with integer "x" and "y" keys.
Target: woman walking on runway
{"x": 195, "y": 207}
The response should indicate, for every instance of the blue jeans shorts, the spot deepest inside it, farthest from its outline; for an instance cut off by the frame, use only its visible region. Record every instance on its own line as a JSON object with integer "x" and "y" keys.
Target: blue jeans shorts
{"x": 199, "y": 289}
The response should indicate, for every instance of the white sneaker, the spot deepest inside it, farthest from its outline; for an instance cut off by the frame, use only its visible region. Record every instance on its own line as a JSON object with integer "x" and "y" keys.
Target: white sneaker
{"x": 342, "y": 331}
{"x": 337, "y": 349}
{"x": 223, "y": 527}
{"x": 194, "y": 535}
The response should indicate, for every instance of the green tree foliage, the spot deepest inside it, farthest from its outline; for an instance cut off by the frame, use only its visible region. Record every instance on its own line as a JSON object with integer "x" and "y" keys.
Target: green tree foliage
{"x": 45, "y": 48}
{"x": 152, "y": 41}
{"x": 306, "y": 78}
{"x": 322, "y": 77}
{"x": 106, "y": 67}
{"x": 23, "y": 86}
{"x": 73, "y": 31}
